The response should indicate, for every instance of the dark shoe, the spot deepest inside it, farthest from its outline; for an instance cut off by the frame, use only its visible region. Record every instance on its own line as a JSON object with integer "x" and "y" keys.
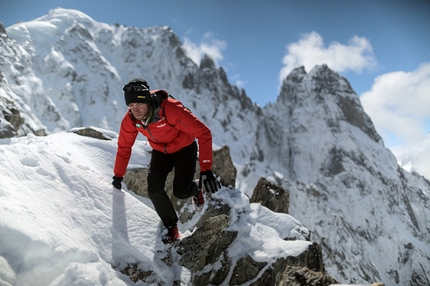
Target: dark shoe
{"x": 172, "y": 234}
{"x": 198, "y": 201}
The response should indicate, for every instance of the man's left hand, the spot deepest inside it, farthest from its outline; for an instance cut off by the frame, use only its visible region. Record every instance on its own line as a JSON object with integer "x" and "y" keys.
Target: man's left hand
{"x": 209, "y": 181}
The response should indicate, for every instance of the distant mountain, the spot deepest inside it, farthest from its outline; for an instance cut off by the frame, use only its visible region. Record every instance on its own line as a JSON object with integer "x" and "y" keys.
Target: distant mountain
{"x": 370, "y": 216}
{"x": 354, "y": 193}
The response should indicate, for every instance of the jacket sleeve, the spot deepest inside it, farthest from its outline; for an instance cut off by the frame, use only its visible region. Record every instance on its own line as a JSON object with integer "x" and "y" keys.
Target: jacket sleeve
{"x": 184, "y": 120}
{"x": 126, "y": 139}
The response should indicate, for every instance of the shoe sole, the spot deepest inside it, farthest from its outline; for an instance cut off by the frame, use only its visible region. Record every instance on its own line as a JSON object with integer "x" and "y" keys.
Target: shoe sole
{"x": 167, "y": 240}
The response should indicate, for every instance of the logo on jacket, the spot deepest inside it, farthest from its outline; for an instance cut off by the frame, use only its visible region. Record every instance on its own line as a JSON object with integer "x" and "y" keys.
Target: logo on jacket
{"x": 161, "y": 125}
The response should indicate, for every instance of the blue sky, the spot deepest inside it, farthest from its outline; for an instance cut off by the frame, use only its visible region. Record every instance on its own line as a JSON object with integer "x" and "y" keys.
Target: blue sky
{"x": 382, "y": 47}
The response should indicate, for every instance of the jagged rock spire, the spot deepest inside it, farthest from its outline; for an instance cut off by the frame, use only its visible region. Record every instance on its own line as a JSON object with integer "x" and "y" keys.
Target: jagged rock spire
{"x": 207, "y": 62}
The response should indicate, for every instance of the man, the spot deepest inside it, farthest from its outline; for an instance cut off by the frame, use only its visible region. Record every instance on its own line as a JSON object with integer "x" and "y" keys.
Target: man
{"x": 171, "y": 130}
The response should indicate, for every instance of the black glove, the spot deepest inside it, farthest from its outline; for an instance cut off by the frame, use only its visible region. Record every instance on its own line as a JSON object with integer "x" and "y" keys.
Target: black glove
{"x": 209, "y": 181}
{"x": 117, "y": 182}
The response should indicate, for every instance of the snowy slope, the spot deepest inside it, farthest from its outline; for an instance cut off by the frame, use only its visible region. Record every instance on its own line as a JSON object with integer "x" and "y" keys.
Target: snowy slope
{"x": 61, "y": 222}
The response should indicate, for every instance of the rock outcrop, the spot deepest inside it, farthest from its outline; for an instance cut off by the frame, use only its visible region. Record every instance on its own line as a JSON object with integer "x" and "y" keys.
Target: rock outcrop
{"x": 91, "y": 132}
{"x": 271, "y": 196}
{"x": 206, "y": 252}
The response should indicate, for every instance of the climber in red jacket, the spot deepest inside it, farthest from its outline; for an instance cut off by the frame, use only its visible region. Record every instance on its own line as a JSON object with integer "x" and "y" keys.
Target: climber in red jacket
{"x": 171, "y": 130}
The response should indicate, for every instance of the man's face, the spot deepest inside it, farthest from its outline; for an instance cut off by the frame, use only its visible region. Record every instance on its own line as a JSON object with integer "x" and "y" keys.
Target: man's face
{"x": 139, "y": 110}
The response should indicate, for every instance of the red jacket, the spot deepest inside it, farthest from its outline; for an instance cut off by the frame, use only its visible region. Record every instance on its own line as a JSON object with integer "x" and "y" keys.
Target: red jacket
{"x": 172, "y": 128}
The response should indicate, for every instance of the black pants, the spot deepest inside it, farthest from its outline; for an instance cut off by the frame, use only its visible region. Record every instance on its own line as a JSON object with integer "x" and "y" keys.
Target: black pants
{"x": 184, "y": 186}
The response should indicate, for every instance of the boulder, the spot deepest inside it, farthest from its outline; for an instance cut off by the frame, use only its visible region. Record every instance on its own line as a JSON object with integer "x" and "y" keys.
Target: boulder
{"x": 91, "y": 132}
{"x": 271, "y": 196}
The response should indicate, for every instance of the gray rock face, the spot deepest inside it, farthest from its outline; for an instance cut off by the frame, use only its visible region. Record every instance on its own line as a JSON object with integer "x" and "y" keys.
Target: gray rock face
{"x": 206, "y": 244}
{"x": 271, "y": 196}
{"x": 90, "y": 132}
{"x": 298, "y": 276}
{"x": 223, "y": 166}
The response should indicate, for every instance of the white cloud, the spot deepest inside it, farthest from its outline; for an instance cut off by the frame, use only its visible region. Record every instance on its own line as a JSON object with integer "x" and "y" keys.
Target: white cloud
{"x": 310, "y": 51}
{"x": 210, "y": 46}
{"x": 415, "y": 157}
{"x": 399, "y": 104}
{"x": 239, "y": 83}
{"x": 236, "y": 78}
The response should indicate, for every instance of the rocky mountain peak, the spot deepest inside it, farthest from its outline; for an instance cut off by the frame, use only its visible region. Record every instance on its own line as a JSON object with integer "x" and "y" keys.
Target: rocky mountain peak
{"x": 2, "y": 29}
{"x": 324, "y": 77}
{"x": 207, "y": 62}
{"x": 330, "y": 93}
{"x": 296, "y": 75}
{"x": 290, "y": 83}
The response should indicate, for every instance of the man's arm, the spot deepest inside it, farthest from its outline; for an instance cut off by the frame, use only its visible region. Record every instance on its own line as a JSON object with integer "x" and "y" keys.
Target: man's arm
{"x": 126, "y": 139}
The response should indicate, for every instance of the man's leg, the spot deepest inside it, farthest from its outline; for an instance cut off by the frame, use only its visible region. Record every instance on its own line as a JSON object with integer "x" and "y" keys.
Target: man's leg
{"x": 160, "y": 166}
{"x": 185, "y": 167}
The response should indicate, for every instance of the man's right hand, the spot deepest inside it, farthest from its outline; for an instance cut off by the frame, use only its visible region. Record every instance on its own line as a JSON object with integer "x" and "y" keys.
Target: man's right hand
{"x": 117, "y": 182}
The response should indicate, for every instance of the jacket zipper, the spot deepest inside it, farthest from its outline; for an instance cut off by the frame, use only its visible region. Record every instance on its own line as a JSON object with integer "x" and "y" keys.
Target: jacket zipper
{"x": 155, "y": 139}
{"x": 150, "y": 133}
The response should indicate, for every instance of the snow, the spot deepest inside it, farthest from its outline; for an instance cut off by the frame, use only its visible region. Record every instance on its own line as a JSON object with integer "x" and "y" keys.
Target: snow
{"x": 62, "y": 223}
